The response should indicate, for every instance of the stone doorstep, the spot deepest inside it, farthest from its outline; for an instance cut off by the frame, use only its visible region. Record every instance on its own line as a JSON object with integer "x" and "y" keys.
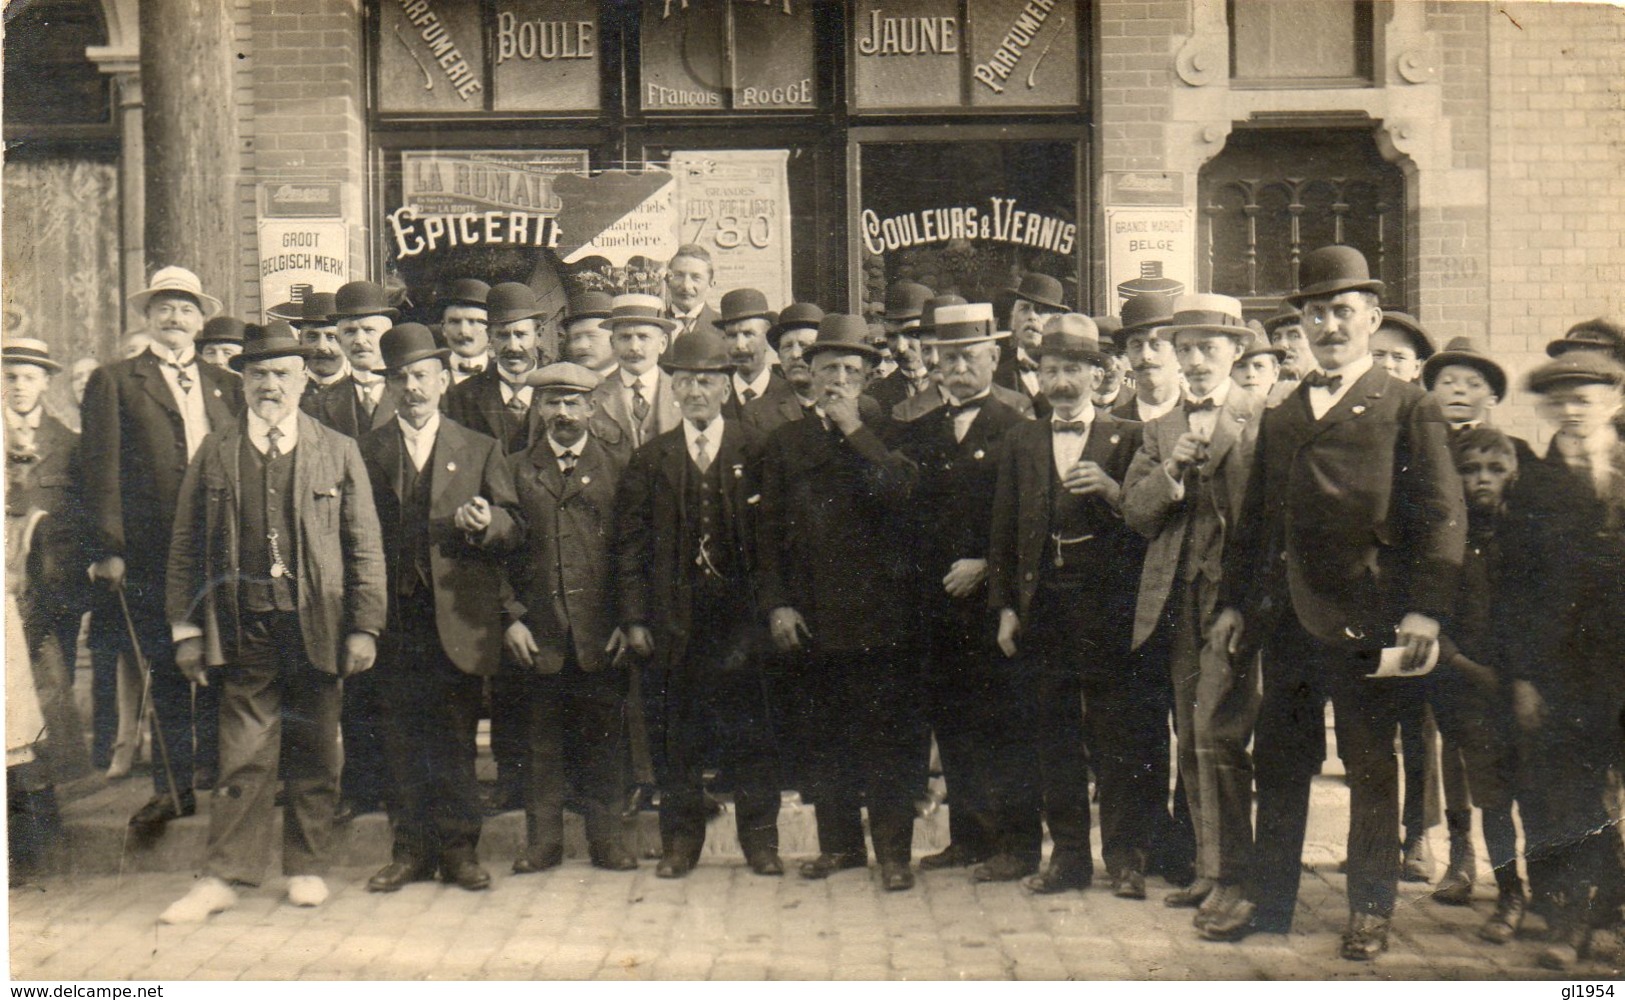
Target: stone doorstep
{"x": 97, "y": 840}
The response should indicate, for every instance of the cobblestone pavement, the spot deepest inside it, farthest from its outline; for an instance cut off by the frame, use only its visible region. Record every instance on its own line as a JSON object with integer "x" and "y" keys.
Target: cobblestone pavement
{"x": 722, "y": 922}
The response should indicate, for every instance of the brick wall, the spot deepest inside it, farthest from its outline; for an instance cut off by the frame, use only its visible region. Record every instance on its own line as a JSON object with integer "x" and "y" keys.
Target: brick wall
{"x": 308, "y": 116}
{"x": 1137, "y": 43}
{"x": 1556, "y": 129}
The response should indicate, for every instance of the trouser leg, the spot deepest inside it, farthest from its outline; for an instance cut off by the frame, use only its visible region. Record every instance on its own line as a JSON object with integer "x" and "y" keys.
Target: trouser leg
{"x": 1185, "y": 671}
{"x": 887, "y": 732}
{"x": 1062, "y": 765}
{"x": 1228, "y": 699}
{"x": 831, "y": 769}
{"x": 1367, "y": 714}
{"x": 1288, "y": 750}
{"x": 365, "y": 780}
{"x": 312, "y": 702}
{"x": 545, "y": 770}
{"x": 241, "y": 812}
{"x": 455, "y": 808}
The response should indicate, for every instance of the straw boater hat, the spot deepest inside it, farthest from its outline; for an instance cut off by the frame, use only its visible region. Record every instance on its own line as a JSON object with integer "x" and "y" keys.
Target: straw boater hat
{"x": 640, "y": 310}
{"x": 178, "y": 280}
{"x": 1331, "y": 271}
{"x": 927, "y": 330}
{"x": 275, "y": 339}
{"x": 563, "y": 377}
{"x": 1204, "y": 312}
{"x": 963, "y": 325}
{"x": 1462, "y": 351}
{"x": 28, "y": 351}
{"x": 408, "y": 344}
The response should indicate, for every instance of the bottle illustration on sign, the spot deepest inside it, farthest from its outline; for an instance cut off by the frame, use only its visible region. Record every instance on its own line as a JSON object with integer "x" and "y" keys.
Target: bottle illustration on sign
{"x": 1149, "y": 281}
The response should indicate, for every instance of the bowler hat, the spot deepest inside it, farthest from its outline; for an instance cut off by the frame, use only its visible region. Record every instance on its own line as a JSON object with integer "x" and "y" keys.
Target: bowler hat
{"x": 362, "y": 298}
{"x": 465, "y": 292}
{"x": 293, "y": 309}
{"x": 409, "y": 343}
{"x": 927, "y": 330}
{"x": 1598, "y": 334}
{"x": 1109, "y": 329}
{"x": 1462, "y": 351}
{"x": 1144, "y": 311}
{"x": 563, "y": 377}
{"x": 1042, "y": 290}
{"x": 222, "y": 330}
{"x": 641, "y": 310}
{"x": 177, "y": 280}
{"x": 795, "y": 316}
{"x": 317, "y": 310}
{"x": 842, "y": 332}
{"x": 742, "y": 303}
{"x": 27, "y": 350}
{"x": 1204, "y": 312}
{"x": 1075, "y": 338}
{"x": 511, "y": 301}
{"x": 1407, "y": 324}
{"x": 698, "y": 350}
{"x": 904, "y": 300}
{"x": 1258, "y": 343}
{"x": 590, "y": 304}
{"x": 261, "y": 342}
{"x": 1285, "y": 316}
{"x": 972, "y": 323}
{"x": 1332, "y": 270}
{"x": 1576, "y": 367}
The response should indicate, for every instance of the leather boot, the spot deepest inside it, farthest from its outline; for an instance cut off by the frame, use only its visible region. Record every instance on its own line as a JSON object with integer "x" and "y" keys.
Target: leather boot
{"x": 1456, "y": 888}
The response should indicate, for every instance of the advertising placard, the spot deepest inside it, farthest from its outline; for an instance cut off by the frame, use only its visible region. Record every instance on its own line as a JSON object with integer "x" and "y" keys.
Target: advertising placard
{"x": 736, "y": 204}
{"x": 1149, "y": 250}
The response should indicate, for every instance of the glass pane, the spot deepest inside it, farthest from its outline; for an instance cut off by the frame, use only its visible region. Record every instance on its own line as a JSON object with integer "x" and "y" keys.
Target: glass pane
{"x": 1298, "y": 39}
{"x": 547, "y": 55}
{"x": 906, "y": 54}
{"x": 431, "y": 58}
{"x": 682, "y": 54}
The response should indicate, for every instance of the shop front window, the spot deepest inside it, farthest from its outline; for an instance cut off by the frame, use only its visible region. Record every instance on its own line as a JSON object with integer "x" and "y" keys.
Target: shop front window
{"x": 967, "y": 218}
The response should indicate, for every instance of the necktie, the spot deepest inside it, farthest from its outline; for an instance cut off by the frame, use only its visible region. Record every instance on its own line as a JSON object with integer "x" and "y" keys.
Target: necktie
{"x": 918, "y": 384}
{"x": 567, "y": 463}
{"x": 1200, "y": 405}
{"x": 515, "y": 404}
{"x": 369, "y": 393}
{"x": 1026, "y": 364}
{"x": 640, "y": 406}
{"x": 183, "y": 377}
{"x": 1068, "y": 426}
{"x": 1318, "y": 378}
{"x": 272, "y": 452}
{"x": 702, "y": 452}
{"x": 748, "y": 395}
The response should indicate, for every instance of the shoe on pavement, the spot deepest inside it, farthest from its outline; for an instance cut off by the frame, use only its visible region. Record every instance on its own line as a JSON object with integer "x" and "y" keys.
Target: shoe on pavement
{"x": 952, "y": 856}
{"x": 539, "y": 859}
{"x": 611, "y": 856}
{"x": 674, "y": 864}
{"x": 1193, "y": 895}
{"x": 465, "y": 873}
{"x": 895, "y": 876}
{"x": 1060, "y": 876}
{"x": 1503, "y": 924}
{"x": 766, "y": 863}
{"x": 1418, "y": 866}
{"x": 160, "y": 809}
{"x": 1001, "y": 868}
{"x": 307, "y": 890}
{"x": 1455, "y": 889}
{"x": 1239, "y": 919}
{"x": 826, "y": 865}
{"x": 208, "y": 897}
{"x": 1129, "y": 884}
{"x": 1219, "y": 900}
{"x": 396, "y": 874}
{"x": 1365, "y": 938}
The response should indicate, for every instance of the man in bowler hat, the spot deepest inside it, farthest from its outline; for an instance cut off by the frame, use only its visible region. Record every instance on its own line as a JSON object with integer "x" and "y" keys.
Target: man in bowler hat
{"x": 465, "y": 327}
{"x": 745, "y": 322}
{"x": 276, "y": 594}
{"x": 685, "y": 552}
{"x": 496, "y": 401}
{"x": 1350, "y": 541}
{"x": 905, "y": 306}
{"x": 360, "y": 401}
{"x": 832, "y": 558}
{"x": 448, "y": 511}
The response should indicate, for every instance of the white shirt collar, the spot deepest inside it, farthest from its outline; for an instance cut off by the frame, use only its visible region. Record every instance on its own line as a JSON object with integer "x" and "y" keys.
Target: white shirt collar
{"x": 329, "y": 380}
{"x": 559, "y": 450}
{"x": 183, "y": 357}
{"x": 948, "y": 397}
{"x": 759, "y": 384}
{"x": 30, "y": 420}
{"x": 712, "y": 432}
{"x": 515, "y": 381}
{"x": 368, "y": 379}
{"x": 1218, "y": 395}
{"x": 258, "y": 431}
{"x": 1147, "y": 412}
{"x": 693, "y": 313}
{"x": 1352, "y": 371}
{"x": 420, "y": 441}
{"x": 650, "y": 379}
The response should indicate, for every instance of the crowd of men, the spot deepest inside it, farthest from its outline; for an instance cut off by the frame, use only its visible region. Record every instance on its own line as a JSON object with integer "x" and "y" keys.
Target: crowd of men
{"x": 1140, "y": 551}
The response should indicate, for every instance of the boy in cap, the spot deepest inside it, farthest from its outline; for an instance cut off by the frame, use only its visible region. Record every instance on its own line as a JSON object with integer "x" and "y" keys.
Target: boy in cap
{"x": 1258, "y": 368}
{"x": 1061, "y": 565}
{"x": 1401, "y": 346}
{"x": 276, "y": 594}
{"x": 561, "y": 624}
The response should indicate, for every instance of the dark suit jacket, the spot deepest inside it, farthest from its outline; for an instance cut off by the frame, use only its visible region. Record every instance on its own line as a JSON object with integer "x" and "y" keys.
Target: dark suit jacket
{"x": 778, "y": 390}
{"x": 340, "y": 558}
{"x": 1022, "y": 503}
{"x": 336, "y": 406}
{"x": 769, "y": 413}
{"x": 132, "y": 460}
{"x": 476, "y": 403}
{"x": 890, "y": 391}
{"x": 655, "y": 546}
{"x": 1008, "y": 377}
{"x": 921, "y": 403}
{"x": 1149, "y": 506}
{"x": 953, "y": 503}
{"x": 1351, "y": 521}
{"x": 705, "y": 321}
{"x": 56, "y": 561}
{"x": 468, "y": 583}
{"x": 833, "y": 537}
{"x": 563, "y": 576}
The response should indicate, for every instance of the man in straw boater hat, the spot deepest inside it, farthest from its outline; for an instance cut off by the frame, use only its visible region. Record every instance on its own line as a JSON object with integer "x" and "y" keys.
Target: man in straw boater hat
{"x": 561, "y": 630}
{"x": 360, "y": 401}
{"x": 744, "y": 323}
{"x": 1562, "y": 615}
{"x": 42, "y": 458}
{"x": 970, "y": 702}
{"x": 1321, "y": 591}
{"x": 1061, "y": 566}
{"x": 685, "y": 551}
{"x": 832, "y": 558}
{"x": 1184, "y": 490}
{"x": 276, "y": 594}
{"x": 447, "y": 507}
{"x": 638, "y": 399}
{"x": 919, "y": 404}
{"x": 143, "y": 420}
{"x": 464, "y": 326}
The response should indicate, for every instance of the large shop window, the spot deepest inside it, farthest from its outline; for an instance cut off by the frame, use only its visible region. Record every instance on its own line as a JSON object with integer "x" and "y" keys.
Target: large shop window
{"x": 967, "y": 218}
{"x": 1276, "y": 193}
{"x": 1301, "y": 43}
{"x": 728, "y": 55}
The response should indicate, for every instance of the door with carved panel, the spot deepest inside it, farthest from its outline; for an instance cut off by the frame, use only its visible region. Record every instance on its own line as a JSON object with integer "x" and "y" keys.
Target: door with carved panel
{"x": 1274, "y": 194}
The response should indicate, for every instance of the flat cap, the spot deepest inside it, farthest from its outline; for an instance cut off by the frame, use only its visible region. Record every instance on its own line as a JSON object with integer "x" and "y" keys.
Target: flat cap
{"x": 564, "y": 376}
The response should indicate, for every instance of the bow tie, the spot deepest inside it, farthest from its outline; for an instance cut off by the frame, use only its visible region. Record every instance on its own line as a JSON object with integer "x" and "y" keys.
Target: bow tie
{"x": 1068, "y": 426}
{"x": 469, "y": 367}
{"x": 955, "y": 409}
{"x": 1200, "y": 405}
{"x": 1318, "y": 378}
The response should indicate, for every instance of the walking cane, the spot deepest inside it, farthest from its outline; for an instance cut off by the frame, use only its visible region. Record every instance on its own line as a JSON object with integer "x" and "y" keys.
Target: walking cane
{"x": 146, "y": 693}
